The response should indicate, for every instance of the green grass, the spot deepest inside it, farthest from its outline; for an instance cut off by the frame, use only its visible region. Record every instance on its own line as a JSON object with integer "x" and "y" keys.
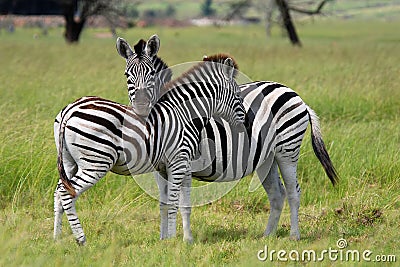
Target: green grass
{"x": 347, "y": 72}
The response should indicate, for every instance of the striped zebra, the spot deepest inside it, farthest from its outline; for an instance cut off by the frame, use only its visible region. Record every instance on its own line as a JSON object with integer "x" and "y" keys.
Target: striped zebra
{"x": 276, "y": 121}
{"x": 94, "y": 136}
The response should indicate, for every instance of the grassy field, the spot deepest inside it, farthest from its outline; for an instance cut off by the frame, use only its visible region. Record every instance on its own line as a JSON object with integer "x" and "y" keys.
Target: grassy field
{"x": 348, "y": 72}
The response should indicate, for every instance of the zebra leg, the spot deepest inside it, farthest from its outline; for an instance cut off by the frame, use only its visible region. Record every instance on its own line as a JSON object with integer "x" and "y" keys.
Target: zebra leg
{"x": 58, "y": 212}
{"x": 289, "y": 175}
{"x": 162, "y": 183}
{"x": 81, "y": 181}
{"x": 185, "y": 208}
{"x": 276, "y": 194}
{"x": 68, "y": 203}
{"x": 172, "y": 206}
{"x": 176, "y": 176}
{"x": 70, "y": 168}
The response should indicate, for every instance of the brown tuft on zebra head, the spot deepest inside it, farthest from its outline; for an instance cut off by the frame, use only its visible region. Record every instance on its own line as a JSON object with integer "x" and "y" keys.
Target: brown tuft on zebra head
{"x": 221, "y": 58}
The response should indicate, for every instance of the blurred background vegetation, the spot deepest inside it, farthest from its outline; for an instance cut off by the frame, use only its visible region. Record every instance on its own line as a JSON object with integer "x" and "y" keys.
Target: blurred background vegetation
{"x": 74, "y": 15}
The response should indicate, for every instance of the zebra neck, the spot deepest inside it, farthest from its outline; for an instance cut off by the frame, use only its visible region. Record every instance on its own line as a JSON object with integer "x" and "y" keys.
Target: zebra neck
{"x": 163, "y": 73}
{"x": 186, "y": 107}
{"x": 191, "y": 99}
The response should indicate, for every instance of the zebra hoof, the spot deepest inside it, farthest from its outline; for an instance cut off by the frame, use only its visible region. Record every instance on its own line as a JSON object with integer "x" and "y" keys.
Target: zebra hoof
{"x": 294, "y": 237}
{"x": 81, "y": 241}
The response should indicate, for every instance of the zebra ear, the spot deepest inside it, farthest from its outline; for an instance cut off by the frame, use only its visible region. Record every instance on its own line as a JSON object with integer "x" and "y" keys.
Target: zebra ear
{"x": 152, "y": 46}
{"x": 123, "y": 48}
{"x": 229, "y": 68}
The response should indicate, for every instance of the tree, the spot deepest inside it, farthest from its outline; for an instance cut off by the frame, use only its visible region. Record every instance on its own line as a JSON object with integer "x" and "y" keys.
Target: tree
{"x": 29, "y": 7}
{"x": 285, "y": 9}
{"x": 76, "y": 13}
{"x": 287, "y": 22}
{"x": 237, "y": 9}
{"x": 206, "y": 9}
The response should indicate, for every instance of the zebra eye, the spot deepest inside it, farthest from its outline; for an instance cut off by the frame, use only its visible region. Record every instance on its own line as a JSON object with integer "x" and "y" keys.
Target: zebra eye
{"x": 152, "y": 73}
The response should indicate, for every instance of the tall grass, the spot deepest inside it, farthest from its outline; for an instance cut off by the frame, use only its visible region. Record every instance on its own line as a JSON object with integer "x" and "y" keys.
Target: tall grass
{"x": 347, "y": 72}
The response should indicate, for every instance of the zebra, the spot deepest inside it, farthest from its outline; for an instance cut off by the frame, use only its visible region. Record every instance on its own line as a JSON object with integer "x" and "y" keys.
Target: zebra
{"x": 276, "y": 122}
{"x": 144, "y": 88}
{"x": 94, "y": 136}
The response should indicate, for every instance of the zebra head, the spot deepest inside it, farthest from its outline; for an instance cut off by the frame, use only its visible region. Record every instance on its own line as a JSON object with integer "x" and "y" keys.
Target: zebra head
{"x": 230, "y": 104}
{"x": 140, "y": 72}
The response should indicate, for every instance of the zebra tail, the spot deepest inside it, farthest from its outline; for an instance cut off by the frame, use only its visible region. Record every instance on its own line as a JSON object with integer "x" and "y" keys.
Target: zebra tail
{"x": 60, "y": 164}
{"x": 319, "y": 147}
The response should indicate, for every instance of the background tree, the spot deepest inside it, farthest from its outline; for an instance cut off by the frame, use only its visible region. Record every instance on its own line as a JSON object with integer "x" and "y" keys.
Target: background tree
{"x": 206, "y": 9}
{"x": 285, "y": 8}
{"x": 287, "y": 22}
{"x": 29, "y": 7}
{"x": 76, "y": 13}
{"x": 237, "y": 9}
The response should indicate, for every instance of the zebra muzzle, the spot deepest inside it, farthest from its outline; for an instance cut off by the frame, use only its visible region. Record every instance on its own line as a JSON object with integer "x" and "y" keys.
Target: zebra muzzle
{"x": 142, "y": 103}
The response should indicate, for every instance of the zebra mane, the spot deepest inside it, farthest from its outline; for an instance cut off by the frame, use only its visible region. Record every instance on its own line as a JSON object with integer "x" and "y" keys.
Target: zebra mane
{"x": 157, "y": 61}
{"x": 165, "y": 73}
{"x": 218, "y": 58}
{"x": 139, "y": 48}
